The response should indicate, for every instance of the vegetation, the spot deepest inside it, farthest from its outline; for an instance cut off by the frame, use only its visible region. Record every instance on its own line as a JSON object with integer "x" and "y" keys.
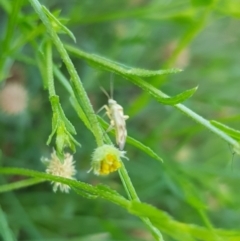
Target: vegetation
{"x": 177, "y": 178}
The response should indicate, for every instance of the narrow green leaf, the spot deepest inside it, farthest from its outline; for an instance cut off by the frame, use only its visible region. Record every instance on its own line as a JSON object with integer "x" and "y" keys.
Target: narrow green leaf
{"x": 106, "y": 188}
{"x": 63, "y": 80}
{"x": 6, "y": 5}
{"x": 61, "y": 141}
{"x": 58, "y": 23}
{"x": 71, "y": 182}
{"x": 68, "y": 124}
{"x": 160, "y": 220}
{"x": 41, "y": 65}
{"x": 54, "y": 129}
{"x": 143, "y": 209}
{"x": 20, "y": 184}
{"x": 228, "y": 130}
{"x": 73, "y": 99}
{"x": 99, "y": 61}
{"x": 144, "y": 148}
{"x": 192, "y": 196}
{"x": 80, "y": 112}
{"x": 135, "y": 143}
{"x": 150, "y": 73}
{"x": 158, "y": 95}
{"x": 73, "y": 141}
{"x": 5, "y": 231}
{"x": 85, "y": 194}
{"x": 132, "y": 75}
{"x": 57, "y": 109}
{"x": 7, "y": 39}
{"x": 177, "y": 230}
{"x": 110, "y": 65}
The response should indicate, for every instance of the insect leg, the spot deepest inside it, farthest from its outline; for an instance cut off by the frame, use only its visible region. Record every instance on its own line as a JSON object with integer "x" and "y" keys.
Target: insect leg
{"x": 111, "y": 126}
{"x": 108, "y": 112}
{"x": 103, "y": 107}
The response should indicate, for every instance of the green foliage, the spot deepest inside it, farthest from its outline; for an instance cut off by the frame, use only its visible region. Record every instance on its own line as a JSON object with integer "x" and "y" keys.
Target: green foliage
{"x": 57, "y": 24}
{"x": 198, "y": 3}
{"x": 230, "y": 131}
{"x": 192, "y": 195}
{"x": 132, "y": 74}
{"x": 135, "y": 143}
{"x": 4, "y": 228}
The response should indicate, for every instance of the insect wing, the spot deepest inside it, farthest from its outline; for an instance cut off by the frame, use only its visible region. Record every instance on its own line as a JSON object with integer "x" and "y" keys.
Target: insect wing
{"x": 120, "y": 125}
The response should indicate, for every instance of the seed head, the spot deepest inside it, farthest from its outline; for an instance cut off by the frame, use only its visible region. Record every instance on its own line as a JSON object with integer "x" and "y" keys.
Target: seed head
{"x": 63, "y": 169}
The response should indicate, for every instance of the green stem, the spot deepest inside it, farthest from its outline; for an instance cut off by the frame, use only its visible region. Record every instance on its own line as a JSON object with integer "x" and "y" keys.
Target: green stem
{"x": 209, "y": 225}
{"x": 85, "y": 187}
{"x": 117, "y": 199}
{"x": 49, "y": 67}
{"x": 126, "y": 181}
{"x": 207, "y": 124}
{"x": 8, "y": 36}
{"x": 128, "y": 184}
{"x": 63, "y": 80}
{"x": 16, "y": 207}
{"x": 33, "y": 34}
{"x": 154, "y": 92}
{"x": 5, "y": 230}
{"x": 78, "y": 88}
{"x": 20, "y": 184}
{"x": 132, "y": 195}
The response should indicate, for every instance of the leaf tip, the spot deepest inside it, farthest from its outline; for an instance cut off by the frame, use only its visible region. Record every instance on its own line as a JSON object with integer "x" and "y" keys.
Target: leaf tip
{"x": 160, "y": 159}
{"x": 178, "y": 70}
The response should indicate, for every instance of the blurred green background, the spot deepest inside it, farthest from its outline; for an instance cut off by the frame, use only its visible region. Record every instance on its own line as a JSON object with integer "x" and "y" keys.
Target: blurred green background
{"x": 200, "y": 37}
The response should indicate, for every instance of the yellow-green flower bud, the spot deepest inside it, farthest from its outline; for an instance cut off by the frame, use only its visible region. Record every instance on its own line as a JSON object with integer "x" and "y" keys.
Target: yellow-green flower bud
{"x": 106, "y": 159}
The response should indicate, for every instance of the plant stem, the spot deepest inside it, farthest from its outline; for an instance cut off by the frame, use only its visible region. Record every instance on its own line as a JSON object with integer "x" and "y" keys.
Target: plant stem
{"x": 5, "y": 230}
{"x": 15, "y": 205}
{"x": 207, "y": 124}
{"x": 154, "y": 92}
{"x": 132, "y": 195}
{"x": 49, "y": 68}
{"x": 77, "y": 86}
{"x": 117, "y": 199}
{"x": 126, "y": 181}
{"x": 20, "y": 184}
{"x": 9, "y": 33}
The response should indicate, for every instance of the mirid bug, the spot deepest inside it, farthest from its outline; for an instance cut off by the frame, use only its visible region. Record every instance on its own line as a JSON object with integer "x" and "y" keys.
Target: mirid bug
{"x": 117, "y": 119}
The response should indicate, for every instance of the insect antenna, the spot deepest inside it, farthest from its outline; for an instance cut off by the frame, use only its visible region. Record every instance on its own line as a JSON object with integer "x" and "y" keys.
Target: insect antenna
{"x": 111, "y": 85}
{"x": 105, "y": 92}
